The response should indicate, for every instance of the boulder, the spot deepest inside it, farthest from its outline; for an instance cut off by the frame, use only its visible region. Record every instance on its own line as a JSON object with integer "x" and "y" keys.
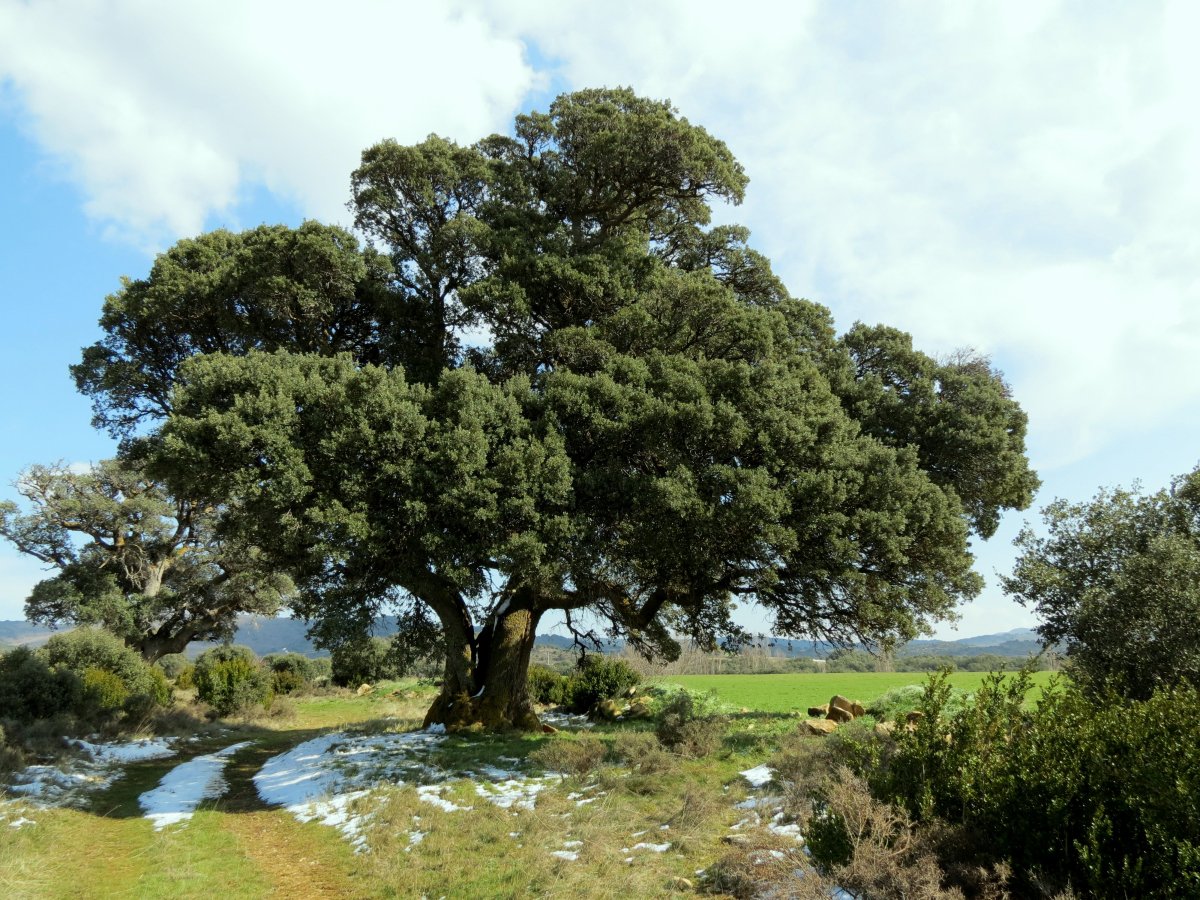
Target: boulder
{"x": 738, "y": 840}
{"x": 819, "y": 711}
{"x": 885, "y": 729}
{"x": 548, "y": 729}
{"x": 640, "y": 708}
{"x": 363, "y": 689}
{"x": 630, "y": 692}
{"x": 818, "y": 726}
{"x": 858, "y": 709}
{"x": 607, "y": 710}
{"x": 837, "y": 714}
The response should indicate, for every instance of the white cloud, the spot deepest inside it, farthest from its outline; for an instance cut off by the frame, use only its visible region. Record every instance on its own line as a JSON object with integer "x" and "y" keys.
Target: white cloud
{"x": 1017, "y": 177}
{"x": 165, "y": 114}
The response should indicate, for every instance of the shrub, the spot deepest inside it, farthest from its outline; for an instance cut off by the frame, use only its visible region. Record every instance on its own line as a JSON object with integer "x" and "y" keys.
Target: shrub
{"x": 30, "y": 689}
{"x": 896, "y": 703}
{"x": 643, "y": 752}
{"x": 104, "y": 690}
{"x": 598, "y": 678}
{"x": 1093, "y": 792}
{"x": 173, "y": 664}
{"x": 684, "y": 730}
{"x": 547, "y": 687}
{"x": 362, "y": 661}
{"x": 93, "y": 648}
{"x": 290, "y": 672}
{"x": 231, "y": 679}
{"x": 186, "y": 679}
{"x": 575, "y": 756}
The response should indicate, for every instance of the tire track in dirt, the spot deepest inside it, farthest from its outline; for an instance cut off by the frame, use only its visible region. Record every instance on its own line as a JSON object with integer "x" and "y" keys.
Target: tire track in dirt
{"x": 298, "y": 860}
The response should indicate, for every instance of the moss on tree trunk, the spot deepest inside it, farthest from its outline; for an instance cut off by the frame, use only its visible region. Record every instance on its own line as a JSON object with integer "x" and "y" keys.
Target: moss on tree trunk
{"x": 494, "y": 696}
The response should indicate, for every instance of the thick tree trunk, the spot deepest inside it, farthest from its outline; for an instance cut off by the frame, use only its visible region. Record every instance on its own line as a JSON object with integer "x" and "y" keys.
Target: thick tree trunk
{"x": 494, "y": 696}
{"x": 156, "y": 645}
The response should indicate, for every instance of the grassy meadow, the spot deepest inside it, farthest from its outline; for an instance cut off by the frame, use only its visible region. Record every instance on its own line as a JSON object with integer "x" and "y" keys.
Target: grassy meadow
{"x": 786, "y": 693}
{"x": 237, "y": 846}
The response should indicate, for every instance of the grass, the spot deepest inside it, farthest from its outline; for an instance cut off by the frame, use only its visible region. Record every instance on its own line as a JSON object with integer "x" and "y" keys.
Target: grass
{"x": 791, "y": 693}
{"x": 236, "y": 847}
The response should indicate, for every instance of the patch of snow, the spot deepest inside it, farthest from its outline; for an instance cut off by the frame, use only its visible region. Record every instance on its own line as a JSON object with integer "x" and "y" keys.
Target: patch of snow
{"x": 432, "y": 794}
{"x": 186, "y": 786}
{"x": 759, "y": 776}
{"x": 572, "y": 845}
{"x": 69, "y": 782}
{"x": 313, "y": 779}
{"x": 568, "y": 855}
{"x": 561, "y": 720}
{"x": 657, "y": 848}
{"x": 128, "y": 752}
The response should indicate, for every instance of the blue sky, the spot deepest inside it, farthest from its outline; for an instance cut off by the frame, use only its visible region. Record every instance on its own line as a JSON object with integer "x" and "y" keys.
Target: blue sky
{"x": 1019, "y": 178}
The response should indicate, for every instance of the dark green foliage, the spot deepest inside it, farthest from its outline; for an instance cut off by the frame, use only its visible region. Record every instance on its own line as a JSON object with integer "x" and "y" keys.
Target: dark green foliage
{"x": 547, "y": 687}
{"x": 597, "y": 678}
{"x": 1117, "y": 580}
{"x": 655, "y": 428}
{"x": 84, "y": 649}
{"x": 1096, "y": 792}
{"x": 363, "y": 661}
{"x": 292, "y": 672}
{"x": 231, "y": 679}
{"x": 30, "y": 689}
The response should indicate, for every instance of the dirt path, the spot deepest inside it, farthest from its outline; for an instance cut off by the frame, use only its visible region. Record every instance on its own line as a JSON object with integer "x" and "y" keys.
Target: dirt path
{"x": 233, "y": 846}
{"x": 297, "y": 860}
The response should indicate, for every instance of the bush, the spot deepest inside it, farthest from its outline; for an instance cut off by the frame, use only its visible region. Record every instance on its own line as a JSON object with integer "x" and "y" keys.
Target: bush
{"x": 896, "y": 703}
{"x": 643, "y": 752}
{"x": 684, "y": 730}
{"x": 599, "y": 678}
{"x": 575, "y": 756}
{"x": 93, "y": 648}
{"x": 291, "y": 672}
{"x": 231, "y": 679}
{"x": 547, "y": 687}
{"x": 1098, "y": 794}
{"x": 30, "y": 689}
{"x": 172, "y": 664}
{"x": 186, "y": 679}
{"x": 362, "y": 662}
{"x": 104, "y": 690}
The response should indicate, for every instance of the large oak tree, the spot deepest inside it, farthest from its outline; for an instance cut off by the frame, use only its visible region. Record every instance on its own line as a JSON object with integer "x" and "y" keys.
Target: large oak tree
{"x": 555, "y": 386}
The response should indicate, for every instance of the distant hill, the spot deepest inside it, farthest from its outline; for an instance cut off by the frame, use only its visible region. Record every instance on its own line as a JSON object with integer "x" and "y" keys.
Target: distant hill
{"x": 266, "y": 635}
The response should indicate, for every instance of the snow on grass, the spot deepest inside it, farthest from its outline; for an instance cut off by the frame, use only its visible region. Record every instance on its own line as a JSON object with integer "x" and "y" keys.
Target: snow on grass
{"x": 321, "y": 779}
{"x": 186, "y": 786}
{"x": 759, "y": 776}
{"x": 12, "y": 814}
{"x": 70, "y": 781}
{"x": 562, "y": 720}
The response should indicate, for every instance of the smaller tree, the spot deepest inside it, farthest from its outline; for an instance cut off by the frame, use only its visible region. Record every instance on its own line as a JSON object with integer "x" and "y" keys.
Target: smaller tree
{"x": 133, "y": 559}
{"x": 232, "y": 679}
{"x": 1117, "y": 581}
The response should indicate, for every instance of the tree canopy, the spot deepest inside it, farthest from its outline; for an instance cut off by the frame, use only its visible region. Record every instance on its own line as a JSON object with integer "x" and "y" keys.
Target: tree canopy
{"x": 556, "y": 386}
{"x": 147, "y": 566}
{"x": 1117, "y": 581}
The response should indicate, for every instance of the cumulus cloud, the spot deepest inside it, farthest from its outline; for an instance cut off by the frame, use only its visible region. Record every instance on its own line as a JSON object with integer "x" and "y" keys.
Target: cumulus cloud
{"x": 165, "y": 114}
{"x": 1014, "y": 177}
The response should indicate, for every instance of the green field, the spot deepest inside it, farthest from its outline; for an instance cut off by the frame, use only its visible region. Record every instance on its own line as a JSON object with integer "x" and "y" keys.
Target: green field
{"x": 785, "y": 693}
